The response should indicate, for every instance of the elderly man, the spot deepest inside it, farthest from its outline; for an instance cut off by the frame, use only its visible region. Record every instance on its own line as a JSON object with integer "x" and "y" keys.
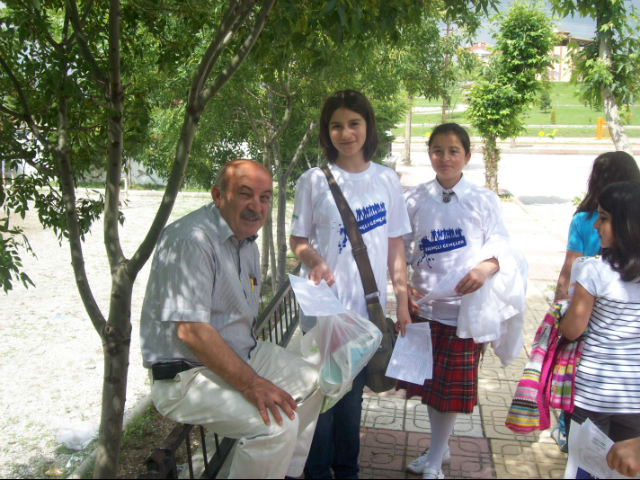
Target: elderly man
{"x": 197, "y": 333}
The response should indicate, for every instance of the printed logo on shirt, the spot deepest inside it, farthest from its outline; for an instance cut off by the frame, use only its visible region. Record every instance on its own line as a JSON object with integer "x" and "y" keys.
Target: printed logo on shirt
{"x": 442, "y": 240}
{"x": 369, "y": 218}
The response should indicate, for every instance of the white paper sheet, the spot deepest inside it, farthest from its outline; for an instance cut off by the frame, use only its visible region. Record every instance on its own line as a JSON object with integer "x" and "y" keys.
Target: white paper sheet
{"x": 315, "y": 300}
{"x": 588, "y": 448}
{"x": 445, "y": 288}
{"x": 412, "y": 358}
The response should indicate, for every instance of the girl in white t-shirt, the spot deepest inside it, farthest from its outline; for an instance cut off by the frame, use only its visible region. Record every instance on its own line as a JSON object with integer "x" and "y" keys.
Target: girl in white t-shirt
{"x": 606, "y": 299}
{"x": 319, "y": 240}
{"x": 452, "y": 220}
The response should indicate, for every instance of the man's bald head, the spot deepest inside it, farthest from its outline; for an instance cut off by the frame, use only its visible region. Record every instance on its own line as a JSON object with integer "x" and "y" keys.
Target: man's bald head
{"x": 242, "y": 193}
{"x": 232, "y": 168}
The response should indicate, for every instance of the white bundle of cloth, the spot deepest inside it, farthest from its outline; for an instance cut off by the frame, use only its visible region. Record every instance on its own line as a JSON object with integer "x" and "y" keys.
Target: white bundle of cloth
{"x": 495, "y": 312}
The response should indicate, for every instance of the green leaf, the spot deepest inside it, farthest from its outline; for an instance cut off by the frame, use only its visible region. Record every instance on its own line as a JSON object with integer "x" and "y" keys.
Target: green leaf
{"x": 329, "y": 7}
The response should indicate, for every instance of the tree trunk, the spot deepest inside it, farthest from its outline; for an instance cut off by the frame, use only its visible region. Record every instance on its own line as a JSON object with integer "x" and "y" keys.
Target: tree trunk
{"x": 281, "y": 234}
{"x": 444, "y": 110}
{"x": 116, "y": 339}
{"x": 279, "y": 242}
{"x": 616, "y": 129}
{"x": 491, "y": 159}
{"x": 272, "y": 254}
{"x": 407, "y": 134}
{"x": 264, "y": 267}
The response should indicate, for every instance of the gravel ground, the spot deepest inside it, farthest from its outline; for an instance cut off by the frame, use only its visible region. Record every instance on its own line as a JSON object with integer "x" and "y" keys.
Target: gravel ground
{"x": 50, "y": 355}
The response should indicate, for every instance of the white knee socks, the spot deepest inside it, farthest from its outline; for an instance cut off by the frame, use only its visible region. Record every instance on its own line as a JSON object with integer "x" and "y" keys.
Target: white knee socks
{"x": 441, "y": 429}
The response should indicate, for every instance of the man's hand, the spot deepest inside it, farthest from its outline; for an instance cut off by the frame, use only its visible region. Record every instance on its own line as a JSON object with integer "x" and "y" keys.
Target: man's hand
{"x": 414, "y": 308}
{"x": 624, "y": 457}
{"x": 265, "y": 395}
{"x": 475, "y": 279}
{"x": 321, "y": 272}
{"x": 211, "y": 349}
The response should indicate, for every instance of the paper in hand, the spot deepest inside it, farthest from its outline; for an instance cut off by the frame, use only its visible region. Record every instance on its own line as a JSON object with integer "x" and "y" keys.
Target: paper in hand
{"x": 315, "y": 300}
{"x": 412, "y": 358}
{"x": 588, "y": 449}
{"x": 445, "y": 288}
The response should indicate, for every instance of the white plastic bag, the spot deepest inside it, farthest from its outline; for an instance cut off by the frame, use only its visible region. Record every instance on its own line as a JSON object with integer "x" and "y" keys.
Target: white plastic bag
{"x": 341, "y": 345}
{"x": 76, "y": 435}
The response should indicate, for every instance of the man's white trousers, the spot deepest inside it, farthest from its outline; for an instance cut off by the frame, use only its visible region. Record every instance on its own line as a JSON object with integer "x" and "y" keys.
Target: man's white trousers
{"x": 199, "y": 397}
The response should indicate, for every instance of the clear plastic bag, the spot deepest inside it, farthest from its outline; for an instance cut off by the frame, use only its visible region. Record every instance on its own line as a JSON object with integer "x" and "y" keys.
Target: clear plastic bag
{"x": 341, "y": 345}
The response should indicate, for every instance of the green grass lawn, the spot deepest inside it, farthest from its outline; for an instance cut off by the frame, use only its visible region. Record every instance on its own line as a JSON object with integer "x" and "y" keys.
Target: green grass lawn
{"x": 569, "y": 110}
{"x": 584, "y": 132}
{"x": 577, "y": 115}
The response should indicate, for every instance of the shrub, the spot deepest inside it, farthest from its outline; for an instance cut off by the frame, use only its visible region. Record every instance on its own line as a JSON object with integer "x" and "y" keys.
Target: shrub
{"x": 552, "y": 117}
{"x": 545, "y": 101}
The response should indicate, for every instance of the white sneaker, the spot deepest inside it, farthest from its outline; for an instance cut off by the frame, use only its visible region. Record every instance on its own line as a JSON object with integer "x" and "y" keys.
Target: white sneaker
{"x": 417, "y": 466}
{"x": 432, "y": 473}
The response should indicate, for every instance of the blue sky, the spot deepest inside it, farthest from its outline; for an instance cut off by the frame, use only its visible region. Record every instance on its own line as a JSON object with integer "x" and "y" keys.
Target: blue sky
{"x": 578, "y": 27}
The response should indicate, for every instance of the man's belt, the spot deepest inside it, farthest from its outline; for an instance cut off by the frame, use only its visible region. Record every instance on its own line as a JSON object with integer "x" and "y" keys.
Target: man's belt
{"x": 169, "y": 370}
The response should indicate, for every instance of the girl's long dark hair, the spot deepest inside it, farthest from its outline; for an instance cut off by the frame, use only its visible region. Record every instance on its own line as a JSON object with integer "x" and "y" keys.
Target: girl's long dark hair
{"x": 608, "y": 168}
{"x": 621, "y": 200}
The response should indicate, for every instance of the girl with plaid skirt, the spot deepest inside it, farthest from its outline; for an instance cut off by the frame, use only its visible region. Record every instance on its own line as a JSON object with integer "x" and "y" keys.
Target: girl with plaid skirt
{"x": 451, "y": 221}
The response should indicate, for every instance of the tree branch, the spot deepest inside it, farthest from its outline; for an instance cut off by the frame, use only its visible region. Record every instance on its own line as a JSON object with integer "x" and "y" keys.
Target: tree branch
{"x": 69, "y": 199}
{"x": 115, "y": 141}
{"x": 26, "y": 116}
{"x": 192, "y": 117}
{"x": 244, "y": 10}
{"x": 252, "y": 122}
{"x": 11, "y": 113}
{"x": 87, "y": 10}
{"x": 83, "y": 43}
{"x": 300, "y": 149}
{"x": 98, "y": 102}
{"x": 232, "y": 67}
{"x": 287, "y": 111}
{"x": 213, "y": 52}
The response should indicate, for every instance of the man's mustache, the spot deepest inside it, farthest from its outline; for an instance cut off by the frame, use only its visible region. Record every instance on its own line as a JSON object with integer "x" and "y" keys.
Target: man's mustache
{"x": 251, "y": 216}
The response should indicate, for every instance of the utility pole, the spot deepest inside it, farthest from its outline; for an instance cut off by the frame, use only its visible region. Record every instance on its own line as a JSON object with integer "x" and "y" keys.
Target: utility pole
{"x": 446, "y": 64}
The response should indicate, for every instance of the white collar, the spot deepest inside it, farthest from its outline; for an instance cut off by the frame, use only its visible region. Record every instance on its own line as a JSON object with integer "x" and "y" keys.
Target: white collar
{"x": 434, "y": 189}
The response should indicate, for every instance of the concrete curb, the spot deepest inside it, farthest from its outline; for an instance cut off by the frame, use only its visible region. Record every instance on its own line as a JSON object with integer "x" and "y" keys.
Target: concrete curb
{"x": 130, "y": 416}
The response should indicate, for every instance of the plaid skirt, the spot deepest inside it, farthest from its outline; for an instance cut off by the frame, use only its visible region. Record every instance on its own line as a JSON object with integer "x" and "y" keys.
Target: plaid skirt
{"x": 454, "y": 387}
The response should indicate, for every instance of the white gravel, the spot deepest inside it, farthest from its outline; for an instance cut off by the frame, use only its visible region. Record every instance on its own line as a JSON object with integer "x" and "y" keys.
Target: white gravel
{"x": 50, "y": 355}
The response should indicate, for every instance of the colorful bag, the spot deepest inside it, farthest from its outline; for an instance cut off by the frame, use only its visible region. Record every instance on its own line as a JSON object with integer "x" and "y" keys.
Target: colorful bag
{"x": 527, "y": 412}
{"x": 563, "y": 378}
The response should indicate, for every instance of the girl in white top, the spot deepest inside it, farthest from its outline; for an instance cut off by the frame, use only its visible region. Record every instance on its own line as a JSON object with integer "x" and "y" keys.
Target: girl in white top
{"x": 349, "y": 139}
{"x": 452, "y": 221}
{"x": 606, "y": 299}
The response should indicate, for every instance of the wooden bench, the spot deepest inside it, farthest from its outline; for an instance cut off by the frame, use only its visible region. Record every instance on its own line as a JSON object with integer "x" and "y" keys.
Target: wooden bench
{"x": 277, "y": 323}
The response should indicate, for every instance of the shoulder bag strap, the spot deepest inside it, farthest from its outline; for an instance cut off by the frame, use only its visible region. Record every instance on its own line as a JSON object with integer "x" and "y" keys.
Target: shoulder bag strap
{"x": 358, "y": 248}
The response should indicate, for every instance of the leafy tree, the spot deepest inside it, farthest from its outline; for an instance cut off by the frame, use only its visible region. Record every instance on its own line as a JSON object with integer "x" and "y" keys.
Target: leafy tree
{"x": 508, "y": 84}
{"x": 552, "y": 117}
{"x": 67, "y": 76}
{"x": 79, "y": 87}
{"x": 607, "y": 70}
{"x": 430, "y": 65}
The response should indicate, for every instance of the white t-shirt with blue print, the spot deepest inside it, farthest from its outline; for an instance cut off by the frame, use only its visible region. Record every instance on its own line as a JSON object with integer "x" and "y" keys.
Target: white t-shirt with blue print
{"x": 449, "y": 235}
{"x": 375, "y": 197}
